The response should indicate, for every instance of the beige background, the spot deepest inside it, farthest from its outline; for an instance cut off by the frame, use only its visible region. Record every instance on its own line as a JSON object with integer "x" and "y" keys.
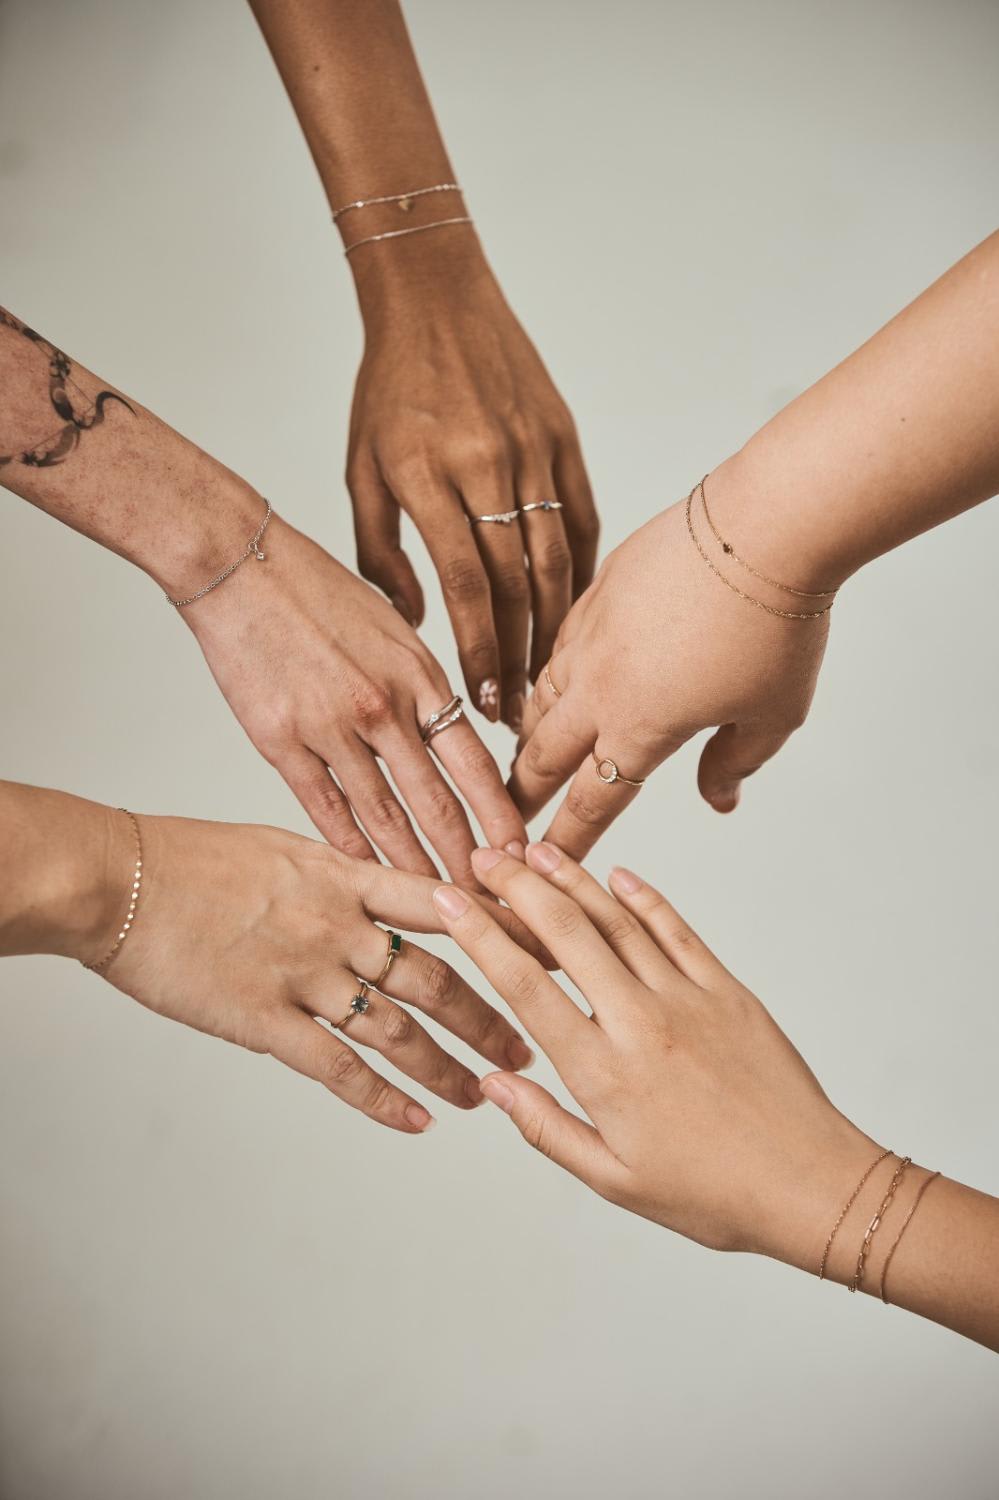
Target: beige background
{"x": 214, "y": 1280}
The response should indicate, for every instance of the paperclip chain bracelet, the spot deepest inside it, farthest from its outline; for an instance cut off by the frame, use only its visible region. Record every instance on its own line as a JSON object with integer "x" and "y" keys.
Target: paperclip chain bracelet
{"x": 846, "y": 1209}
{"x": 133, "y": 900}
{"x": 875, "y": 1224}
{"x": 252, "y": 549}
{"x": 905, "y": 1224}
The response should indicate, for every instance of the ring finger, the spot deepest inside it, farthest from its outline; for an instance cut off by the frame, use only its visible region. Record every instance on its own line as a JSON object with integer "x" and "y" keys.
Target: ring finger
{"x": 378, "y": 808}
{"x": 550, "y": 562}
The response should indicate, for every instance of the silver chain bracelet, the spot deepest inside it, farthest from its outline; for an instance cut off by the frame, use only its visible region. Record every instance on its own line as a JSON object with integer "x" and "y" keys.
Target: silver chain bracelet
{"x": 252, "y": 550}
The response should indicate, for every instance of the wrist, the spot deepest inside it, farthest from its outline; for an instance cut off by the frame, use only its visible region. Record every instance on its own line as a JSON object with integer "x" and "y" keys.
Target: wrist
{"x": 205, "y": 522}
{"x": 420, "y": 276}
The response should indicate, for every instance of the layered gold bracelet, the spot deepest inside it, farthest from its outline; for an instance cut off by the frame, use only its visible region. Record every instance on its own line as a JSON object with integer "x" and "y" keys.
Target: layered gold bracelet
{"x": 856, "y": 1282}
{"x": 728, "y": 551}
{"x": 403, "y": 203}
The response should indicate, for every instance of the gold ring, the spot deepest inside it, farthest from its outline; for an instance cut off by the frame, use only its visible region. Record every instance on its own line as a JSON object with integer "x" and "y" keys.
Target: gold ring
{"x": 609, "y": 773}
{"x": 358, "y": 1005}
{"x": 394, "y": 947}
{"x": 548, "y": 678}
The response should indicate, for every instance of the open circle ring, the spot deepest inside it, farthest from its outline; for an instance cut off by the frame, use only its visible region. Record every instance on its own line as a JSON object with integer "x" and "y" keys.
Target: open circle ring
{"x": 609, "y": 773}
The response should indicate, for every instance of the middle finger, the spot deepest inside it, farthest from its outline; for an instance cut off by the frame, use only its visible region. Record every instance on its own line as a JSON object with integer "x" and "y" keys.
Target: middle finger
{"x": 501, "y": 547}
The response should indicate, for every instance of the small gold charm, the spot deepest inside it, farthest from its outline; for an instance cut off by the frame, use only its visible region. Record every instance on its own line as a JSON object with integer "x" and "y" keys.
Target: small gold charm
{"x": 406, "y": 205}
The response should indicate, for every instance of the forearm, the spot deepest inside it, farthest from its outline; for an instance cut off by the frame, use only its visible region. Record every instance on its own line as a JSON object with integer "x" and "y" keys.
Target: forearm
{"x": 355, "y": 85}
{"x": 98, "y": 461}
{"x": 66, "y": 871}
{"x": 899, "y": 437}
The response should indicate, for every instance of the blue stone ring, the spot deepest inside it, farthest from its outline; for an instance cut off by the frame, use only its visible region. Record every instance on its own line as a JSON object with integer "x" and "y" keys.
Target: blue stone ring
{"x": 541, "y": 505}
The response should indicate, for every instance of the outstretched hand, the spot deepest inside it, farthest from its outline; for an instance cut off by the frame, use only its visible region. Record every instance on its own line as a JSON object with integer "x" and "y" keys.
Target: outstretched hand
{"x": 656, "y": 650}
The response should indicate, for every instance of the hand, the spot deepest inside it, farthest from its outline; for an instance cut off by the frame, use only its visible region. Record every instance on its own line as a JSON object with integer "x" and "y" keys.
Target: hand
{"x": 249, "y": 933}
{"x": 455, "y": 416}
{"x": 324, "y": 677}
{"x": 705, "y": 1118}
{"x": 656, "y": 650}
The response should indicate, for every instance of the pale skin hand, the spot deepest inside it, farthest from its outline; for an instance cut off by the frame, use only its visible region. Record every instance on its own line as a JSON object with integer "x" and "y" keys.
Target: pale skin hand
{"x": 249, "y": 934}
{"x": 454, "y": 413}
{"x": 701, "y": 1114}
{"x": 895, "y": 440}
{"x": 317, "y": 667}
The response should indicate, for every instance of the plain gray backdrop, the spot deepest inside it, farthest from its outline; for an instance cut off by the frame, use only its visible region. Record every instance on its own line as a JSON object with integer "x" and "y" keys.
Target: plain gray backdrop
{"x": 216, "y": 1281}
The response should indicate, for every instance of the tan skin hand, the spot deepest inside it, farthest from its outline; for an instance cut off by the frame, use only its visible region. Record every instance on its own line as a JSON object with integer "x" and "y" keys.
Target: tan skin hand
{"x": 290, "y": 924}
{"x": 455, "y": 416}
{"x": 656, "y": 650}
{"x": 705, "y": 1118}
{"x": 327, "y": 680}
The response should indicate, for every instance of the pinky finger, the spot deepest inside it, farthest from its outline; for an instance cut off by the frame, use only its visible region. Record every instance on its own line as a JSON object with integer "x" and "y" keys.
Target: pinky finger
{"x": 310, "y": 779}
{"x": 561, "y": 1136}
{"x": 301, "y": 1043}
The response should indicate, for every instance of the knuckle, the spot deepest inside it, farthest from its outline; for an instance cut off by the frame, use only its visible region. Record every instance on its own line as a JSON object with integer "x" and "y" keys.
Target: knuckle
{"x": 386, "y": 816}
{"x": 372, "y": 705}
{"x": 340, "y": 1067}
{"x": 511, "y": 587}
{"x": 535, "y": 758}
{"x": 398, "y": 1026}
{"x": 520, "y": 984}
{"x": 553, "y": 560}
{"x": 484, "y": 451}
{"x": 438, "y": 984}
{"x": 584, "y": 807}
{"x": 446, "y": 812}
{"x": 564, "y": 918}
{"x": 536, "y": 1133}
{"x": 377, "y": 1096}
{"x": 463, "y": 581}
{"x": 475, "y": 762}
{"x": 619, "y": 928}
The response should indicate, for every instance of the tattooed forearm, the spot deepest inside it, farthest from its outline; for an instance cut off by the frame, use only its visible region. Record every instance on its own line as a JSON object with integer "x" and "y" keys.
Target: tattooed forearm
{"x": 77, "y": 412}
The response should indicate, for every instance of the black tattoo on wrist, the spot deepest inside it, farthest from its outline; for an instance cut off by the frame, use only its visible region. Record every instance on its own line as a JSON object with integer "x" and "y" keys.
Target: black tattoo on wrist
{"x": 78, "y": 412}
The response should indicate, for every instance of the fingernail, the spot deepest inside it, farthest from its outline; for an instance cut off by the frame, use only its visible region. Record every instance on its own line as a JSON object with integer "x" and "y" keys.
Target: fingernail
{"x": 625, "y": 880}
{"x": 489, "y": 698}
{"x": 515, "y": 711}
{"x": 516, "y": 848}
{"x": 498, "y": 1093}
{"x": 472, "y": 1091}
{"x": 485, "y": 859}
{"x": 401, "y": 607}
{"x": 519, "y": 1054}
{"x": 419, "y": 1118}
{"x": 450, "y": 901}
{"x": 544, "y": 857}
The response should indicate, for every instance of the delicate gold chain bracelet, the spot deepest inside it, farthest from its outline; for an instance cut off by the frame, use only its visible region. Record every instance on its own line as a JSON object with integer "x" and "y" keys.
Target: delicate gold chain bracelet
{"x": 133, "y": 899}
{"x": 905, "y": 1224}
{"x": 875, "y": 1224}
{"x": 404, "y": 200}
{"x": 252, "y": 549}
{"x": 397, "y": 234}
{"x": 730, "y": 551}
{"x": 846, "y": 1209}
{"x": 770, "y": 609}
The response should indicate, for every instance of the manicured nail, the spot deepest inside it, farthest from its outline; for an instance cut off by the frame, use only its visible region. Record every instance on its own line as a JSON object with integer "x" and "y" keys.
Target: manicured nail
{"x": 515, "y": 712}
{"x": 485, "y": 859}
{"x": 489, "y": 698}
{"x": 472, "y": 1091}
{"x": 498, "y": 1093}
{"x": 544, "y": 857}
{"x": 450, "y": 901}
{"x": 625, "y": 880}
{"x": 419, "y": 1118}
{"x": 516, "y": 848}
{"x": 519, "y": 1054}
{"x": 401, "y": 607}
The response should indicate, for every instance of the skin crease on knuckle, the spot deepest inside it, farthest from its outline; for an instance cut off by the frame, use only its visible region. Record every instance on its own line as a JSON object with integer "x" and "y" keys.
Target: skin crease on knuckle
{"x": 464, "y": 582}
{"x": 398, "y": 1026}
{"x": 437, "y": 985}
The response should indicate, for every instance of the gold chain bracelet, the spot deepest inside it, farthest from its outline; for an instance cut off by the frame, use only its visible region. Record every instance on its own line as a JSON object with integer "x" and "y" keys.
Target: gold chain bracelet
{"x": 875, "y": 1224}
{"x": 133, "y": 899}
{"x": 905, "y": 1224}
{"x": 730, "y": 551}
{"x": 846, "y": 1209}
{"x": 770, "y": 609}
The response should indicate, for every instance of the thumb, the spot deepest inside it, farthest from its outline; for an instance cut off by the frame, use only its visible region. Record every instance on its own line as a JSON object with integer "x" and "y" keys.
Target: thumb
{"x": 732, "y": 753}
{"x": 380, "y": 558}
{"x": 563, "y": 1137}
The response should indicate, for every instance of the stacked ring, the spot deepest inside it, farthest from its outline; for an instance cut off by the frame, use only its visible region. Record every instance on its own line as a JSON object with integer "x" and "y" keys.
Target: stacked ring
{"x": 442, "y": 719}
{"x": 358, "y": 1005}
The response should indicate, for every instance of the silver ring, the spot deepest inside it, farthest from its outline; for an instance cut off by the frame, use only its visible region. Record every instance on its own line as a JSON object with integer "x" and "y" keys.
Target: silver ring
{"x": 442, "y": 719}
{"x": 358, "y": 1005}
{"x": 541, "y": 505}
{"x": 502, "y": 518}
